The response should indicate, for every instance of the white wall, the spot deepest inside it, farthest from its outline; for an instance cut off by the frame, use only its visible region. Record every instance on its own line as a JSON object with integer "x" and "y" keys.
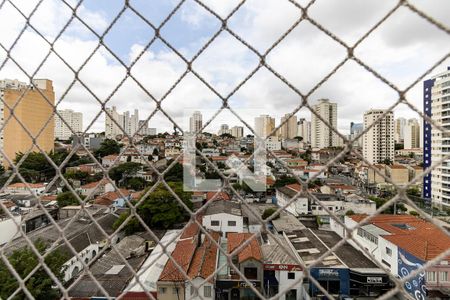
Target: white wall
{"x": 298, "y": 207}
{"x": 87, "y": 253}
{"x": 223, "y": 219}
{"x": 284, "y": 282}
{"x": 8, "y": 229}
{"x": 201, "y": 290}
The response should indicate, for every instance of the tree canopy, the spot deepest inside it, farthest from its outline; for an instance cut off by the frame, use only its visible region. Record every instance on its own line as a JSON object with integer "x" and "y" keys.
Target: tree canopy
{"x": 160, "y": 209}
{"x": 67, "y": 198}
{"x": 40, "y": 284}
{"x": 108, "y": 147}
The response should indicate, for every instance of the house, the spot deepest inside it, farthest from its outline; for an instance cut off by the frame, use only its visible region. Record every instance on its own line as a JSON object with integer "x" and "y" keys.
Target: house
{"x": 399, "y": 174}
{"x": 285, "y": 194}
{"x": 403, "y": 243}
{"x": 96, "y": 188}
{"x": 223, "y": 216}
{"x": 92, "y": 168}
{"x": 109, "y": 160}
{"x": 248, "y": 260}
{"x": 114, "y": 198}
{"x": 29, "y": 188}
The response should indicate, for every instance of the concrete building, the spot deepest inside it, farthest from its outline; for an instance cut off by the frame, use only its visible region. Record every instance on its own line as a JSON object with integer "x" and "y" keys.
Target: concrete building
{"x": 355, "y": 130}
{"x": 196, "y": 122}
{"x": 224, "y": 128}
{"x": 223, "y": 216}
{"x": 285, "y": 194}
{"x": 145, "y": 130}
{"x": 411, "y": 137}
{"x": 264, "y": 125}
{"x": 74, "y": 121}
{"x": 289, "y": 129}
{"x": 33, "y": 108}
{"x": 378, "y": 142}
{"x": 321, "y": 134}
{"x": 304, "y": 130}
{"x": 237, "y": 131}
{"x": 399, "y": 130}
{"x": 403, "y": 243}
{"x": 128, "y": 122}
{"x": 436, "y": 185}
{"x": 273, "y": 143}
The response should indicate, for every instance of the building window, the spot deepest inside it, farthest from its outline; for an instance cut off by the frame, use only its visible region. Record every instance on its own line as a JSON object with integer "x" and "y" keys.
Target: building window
{"x": 291, "y": 275}
{"x": 388, "y": 251}
{"x": 214, "y": 223}
{"x": 207, "y": 291}
{"x": 431, "y": 276}
{"x": 251, "y": 273}
{"x": 174, "y": 291}
{"x": 231, "y": 223}
{"x": 162, "y": 290}
{"x": 443, "y": 276}
{"x": 291, "y": 295}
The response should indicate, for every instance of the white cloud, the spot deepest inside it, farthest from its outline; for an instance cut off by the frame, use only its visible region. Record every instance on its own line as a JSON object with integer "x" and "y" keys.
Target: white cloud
{"x": 401, "y": 49}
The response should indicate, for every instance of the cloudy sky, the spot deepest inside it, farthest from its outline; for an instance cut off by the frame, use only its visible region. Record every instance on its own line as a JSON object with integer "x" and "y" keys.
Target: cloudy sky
{"x": 401, "y": 49}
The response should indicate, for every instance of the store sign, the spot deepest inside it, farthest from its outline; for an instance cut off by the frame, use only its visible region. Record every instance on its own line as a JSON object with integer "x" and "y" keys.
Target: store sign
{"x": 282, "y": 267}
{"x": 243, "y": 284}
{"x": 328, "y": 273}
{"x": 374, "y": 279}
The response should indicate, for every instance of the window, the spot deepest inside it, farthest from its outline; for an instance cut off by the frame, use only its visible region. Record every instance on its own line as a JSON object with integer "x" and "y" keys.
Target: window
{"x": 291, "y": 295}
{"x": 251, "y": 273}
{"x": 388, "y": 251}
{"x": 215, "y": 223}
{"x": 174, "y": 291}
{"x": 291, "y": 275}
{"x": 431, "y": 276}
{"x": 207, "y": 291}
{"x": 162, "y": 290}
{"x": 443, "y": 276}
{"x": 231, "y": 223}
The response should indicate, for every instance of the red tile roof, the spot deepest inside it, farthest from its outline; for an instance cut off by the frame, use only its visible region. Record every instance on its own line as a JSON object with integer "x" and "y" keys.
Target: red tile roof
{"x": 220, "y": 196}
{"x": 182, "y": 254}
{"x": 251, "y": 251}
{"x": 294, "y": 186}
{"x": 109, "y": 197}
{"x": 423, "y": 239}
{"x": 94, "y": 184}
{"x": 204, "y": 261}
{"x": 21, "y": 185}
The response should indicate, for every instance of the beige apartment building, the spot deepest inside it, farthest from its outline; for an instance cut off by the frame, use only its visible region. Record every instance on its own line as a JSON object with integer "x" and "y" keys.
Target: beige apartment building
{"x": 378, "y": 142}
{"x": 321, "y": 134}
{"x": 264, "y": 125}
{"x": 34, "y": 110}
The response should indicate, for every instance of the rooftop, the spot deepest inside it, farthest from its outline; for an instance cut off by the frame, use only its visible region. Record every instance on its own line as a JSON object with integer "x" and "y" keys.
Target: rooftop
{"x": 420, "y": 238}
{"x": 250, "y": 251}
{"x": 220, "y": 206}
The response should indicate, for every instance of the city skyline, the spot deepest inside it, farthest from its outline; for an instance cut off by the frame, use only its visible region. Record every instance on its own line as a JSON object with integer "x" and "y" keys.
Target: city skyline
{"x": 352, "y": 87}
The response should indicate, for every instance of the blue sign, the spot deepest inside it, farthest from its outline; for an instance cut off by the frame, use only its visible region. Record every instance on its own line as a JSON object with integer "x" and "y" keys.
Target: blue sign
{"x": 408, "y": 263}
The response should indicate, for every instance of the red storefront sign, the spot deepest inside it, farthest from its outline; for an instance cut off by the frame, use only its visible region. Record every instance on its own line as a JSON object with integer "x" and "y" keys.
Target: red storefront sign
{"x": 282, "y": 267}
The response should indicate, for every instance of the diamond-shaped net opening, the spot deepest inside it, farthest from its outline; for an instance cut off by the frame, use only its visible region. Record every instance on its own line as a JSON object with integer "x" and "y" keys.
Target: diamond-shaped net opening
{"x": 176, "y": 182}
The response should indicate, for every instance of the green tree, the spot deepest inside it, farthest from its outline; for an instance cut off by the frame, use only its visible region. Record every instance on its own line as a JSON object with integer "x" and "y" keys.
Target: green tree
{"x": 349, "y": 212}
{"x": 160, "y": 210}
{"x": 175, "y": 174}
{"x": 269, "y": 212}
{"x": 132, "y": 226}
{"x": 414, "y": 213}
{"x": 124, "y": 170}
{"x": 40, "y": 284}
{"x": 108, "y": 147}
{"x": 387, "y": 161}
{"x": 67, "y": 198}
{"x": 136, "y": 183}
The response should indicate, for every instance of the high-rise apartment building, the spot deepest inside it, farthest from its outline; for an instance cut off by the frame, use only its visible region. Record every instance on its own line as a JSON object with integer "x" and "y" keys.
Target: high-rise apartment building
{"x": 399, "y": 130}
{"x": 144, "y": 129}
{"x": 411, "y": 138}
{"x": 68, "y": 123}
{"x": 34, "y": 110}
{"x": 237, "y": 131}
{"x": 128, "y": 122}
{"x": 378, "y": 141}
{"x": 355, "y": 130}
{"x": 264, "y": 125}
{"x": 321, "y": 134}
{"x": 436, "y": 144}
{"x": 224, "y": 128}
{"x": 304, "y": 130}
{"x": 289, "y": 129}
{"x": 196, "y": 122}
